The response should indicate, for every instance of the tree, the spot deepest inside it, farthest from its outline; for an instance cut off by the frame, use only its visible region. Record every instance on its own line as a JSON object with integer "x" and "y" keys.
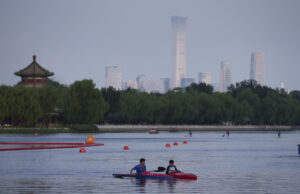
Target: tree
{"x": 23, "y": 105}
{"x": 84, "y": 103}
{"x": 201, "y": 87}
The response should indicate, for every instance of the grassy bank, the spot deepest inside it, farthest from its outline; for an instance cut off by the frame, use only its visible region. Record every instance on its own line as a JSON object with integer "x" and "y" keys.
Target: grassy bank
{"x": 76, "y": 128}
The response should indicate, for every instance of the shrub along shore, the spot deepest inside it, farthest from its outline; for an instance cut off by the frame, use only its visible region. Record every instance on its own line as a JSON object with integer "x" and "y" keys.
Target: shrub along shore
{"x": 146, "y": 128}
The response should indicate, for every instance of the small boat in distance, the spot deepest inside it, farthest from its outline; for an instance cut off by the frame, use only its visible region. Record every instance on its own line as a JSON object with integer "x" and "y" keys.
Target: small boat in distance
{"x": 153, "y": 131}
{"x": 173, "y": 130}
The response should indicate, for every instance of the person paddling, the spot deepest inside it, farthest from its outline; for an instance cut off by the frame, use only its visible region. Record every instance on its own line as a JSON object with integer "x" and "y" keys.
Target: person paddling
{"x": 140, "y": 168}
{"x": 171, "y": 168}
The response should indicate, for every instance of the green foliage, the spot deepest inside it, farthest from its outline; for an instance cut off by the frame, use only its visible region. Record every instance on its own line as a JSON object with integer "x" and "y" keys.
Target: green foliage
{"x": 245, "y": 103}
{"x": 84, "y": 103}
{"x": 23, "y": 105}
{"x": 84, "y": 128}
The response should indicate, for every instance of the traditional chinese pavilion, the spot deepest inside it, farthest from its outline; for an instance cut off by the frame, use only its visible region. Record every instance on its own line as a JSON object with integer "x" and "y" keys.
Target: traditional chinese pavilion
{"x": 34, "y": 75}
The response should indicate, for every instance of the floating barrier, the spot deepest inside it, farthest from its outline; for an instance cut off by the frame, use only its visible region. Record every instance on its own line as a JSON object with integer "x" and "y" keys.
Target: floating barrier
{"x": 47, "y": 145}
{"x": 39, "y": 146}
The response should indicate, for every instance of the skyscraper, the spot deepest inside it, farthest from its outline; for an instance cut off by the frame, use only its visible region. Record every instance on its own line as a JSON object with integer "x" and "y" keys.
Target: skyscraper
{"x": 179, "y": 50}
{"x": 225, "y": 76}
{"x": 114, "y": 77}
{"x": 204, "y": 77}
{"x": 257, "y": 67}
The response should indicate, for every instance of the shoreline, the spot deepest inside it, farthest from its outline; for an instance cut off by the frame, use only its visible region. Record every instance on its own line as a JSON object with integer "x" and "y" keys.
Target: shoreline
{"x": 146, "y": 128}
{"x": 175, "y": 128}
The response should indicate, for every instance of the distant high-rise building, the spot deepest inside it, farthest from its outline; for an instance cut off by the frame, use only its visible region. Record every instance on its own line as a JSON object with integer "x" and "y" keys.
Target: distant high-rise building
{"x": 179, "y": 49}
{"x": 186, "y": 82}
{"x": 139, "y": 79}
{"x": 257, "y": 67}
{"x": 131, "y": 84}
{"x": 204, "y": 77}
{"x": 151, "y": 85}
{"x": 114, "y": 77}
{"x": 225, "y": 76}
{"x": 166, "y": 83}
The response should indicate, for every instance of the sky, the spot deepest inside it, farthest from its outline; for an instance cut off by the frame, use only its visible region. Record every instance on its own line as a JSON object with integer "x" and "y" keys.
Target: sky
{"x": 76, "y": 39}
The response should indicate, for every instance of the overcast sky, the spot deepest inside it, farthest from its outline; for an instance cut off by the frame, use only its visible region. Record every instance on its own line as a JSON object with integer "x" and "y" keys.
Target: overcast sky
{"x": 77, "y": 39}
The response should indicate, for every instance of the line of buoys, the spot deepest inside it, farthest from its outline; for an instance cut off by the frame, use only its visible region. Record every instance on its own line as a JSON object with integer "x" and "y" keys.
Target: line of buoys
{"x": 175, "y": 144}
{"x": 126, "y": 148}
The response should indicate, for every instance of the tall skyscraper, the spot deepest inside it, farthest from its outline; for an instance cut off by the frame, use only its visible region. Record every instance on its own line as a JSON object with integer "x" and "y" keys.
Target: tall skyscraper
{"x": 179, "y": 50}
{"x": 114, "y": 77}
{"x": 257, "y": 67}
{"x": 204, "y": 77}
{"x": 225, "y": 76}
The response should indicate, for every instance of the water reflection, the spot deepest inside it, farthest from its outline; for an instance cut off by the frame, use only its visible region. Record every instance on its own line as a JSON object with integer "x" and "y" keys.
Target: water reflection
{"x": 144, "y": 185}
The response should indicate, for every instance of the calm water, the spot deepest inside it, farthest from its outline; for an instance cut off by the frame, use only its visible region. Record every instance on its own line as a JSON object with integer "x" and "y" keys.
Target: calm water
{"x": 246, "y": 162}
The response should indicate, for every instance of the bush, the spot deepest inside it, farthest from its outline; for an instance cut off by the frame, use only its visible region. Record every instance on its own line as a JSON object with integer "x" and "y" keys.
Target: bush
{"x": 84, "y": 128}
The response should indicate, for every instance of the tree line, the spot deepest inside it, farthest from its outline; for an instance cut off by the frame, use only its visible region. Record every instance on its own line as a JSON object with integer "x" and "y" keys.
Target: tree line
{"x": 245, "y": 102}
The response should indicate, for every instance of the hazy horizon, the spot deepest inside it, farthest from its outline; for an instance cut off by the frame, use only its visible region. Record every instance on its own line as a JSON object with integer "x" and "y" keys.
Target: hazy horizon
{"x": 77, "y": 39}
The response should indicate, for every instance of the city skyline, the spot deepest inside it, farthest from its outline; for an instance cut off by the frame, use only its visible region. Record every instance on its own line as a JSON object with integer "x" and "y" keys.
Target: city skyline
{"x": 78, "y": 45}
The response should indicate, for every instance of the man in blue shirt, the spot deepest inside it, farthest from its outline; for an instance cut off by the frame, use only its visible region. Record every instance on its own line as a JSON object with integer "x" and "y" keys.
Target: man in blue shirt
{"x": 140, "y": 168}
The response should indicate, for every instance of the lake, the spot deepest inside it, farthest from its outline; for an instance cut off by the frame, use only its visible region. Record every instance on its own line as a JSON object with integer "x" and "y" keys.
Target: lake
{"x": 244, "y": 162}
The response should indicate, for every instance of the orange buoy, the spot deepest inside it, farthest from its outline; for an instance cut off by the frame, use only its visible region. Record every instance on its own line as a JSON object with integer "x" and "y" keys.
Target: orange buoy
{"x": 35, "y": 134}
{"x": 175, "y": 143}
{"x": 184, "y": 142}
{"x": 125, "y": 148}
{"x": 82, "y": 150}
{"x": 168, "y": 145}
{"x": 89, "y": 139}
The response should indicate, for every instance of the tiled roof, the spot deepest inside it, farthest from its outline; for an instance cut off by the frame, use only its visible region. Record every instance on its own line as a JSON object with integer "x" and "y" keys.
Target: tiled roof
{"x": 34, "y": 70}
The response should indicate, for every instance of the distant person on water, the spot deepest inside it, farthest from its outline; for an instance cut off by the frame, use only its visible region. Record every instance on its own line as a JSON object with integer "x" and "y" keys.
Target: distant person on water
{"x": 298, "y": 148}
{"x": 227, "y": 133}
{"x": 140, "y": 168}
{"x": 171, "y": 168}
{"x": 190, "y": 132}
{"x": 279, "y": 134}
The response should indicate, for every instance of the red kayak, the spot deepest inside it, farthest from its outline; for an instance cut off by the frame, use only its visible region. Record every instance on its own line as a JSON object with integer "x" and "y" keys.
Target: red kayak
{"x": 146, "y": 175}
{"x": 181, "y": 175}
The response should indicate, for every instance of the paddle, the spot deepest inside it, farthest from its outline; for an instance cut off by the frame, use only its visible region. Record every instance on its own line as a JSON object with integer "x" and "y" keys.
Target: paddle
{"x": 159, "y": 169}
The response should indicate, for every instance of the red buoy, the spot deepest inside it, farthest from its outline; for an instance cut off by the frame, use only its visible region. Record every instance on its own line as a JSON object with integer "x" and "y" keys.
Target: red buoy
{"x": 175, "y": 143}
{"x": 184, "y": 142}
{"x": 125, "y": 148}
{"x": 35, "y": 134}
{"x": 82, "y": 150}
{"x": 168, "y": 145}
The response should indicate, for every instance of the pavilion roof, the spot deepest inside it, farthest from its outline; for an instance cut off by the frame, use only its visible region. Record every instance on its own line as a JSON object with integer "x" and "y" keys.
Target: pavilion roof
{"x": 34, "y": 70}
